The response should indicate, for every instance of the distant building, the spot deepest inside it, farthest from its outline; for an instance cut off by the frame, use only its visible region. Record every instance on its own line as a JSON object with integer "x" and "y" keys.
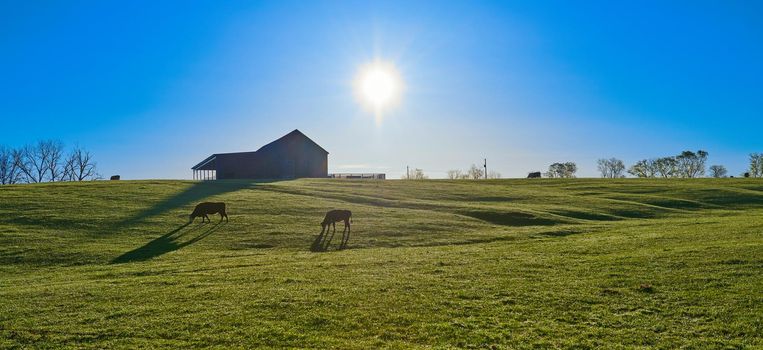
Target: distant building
{"x": 292, "y": 156}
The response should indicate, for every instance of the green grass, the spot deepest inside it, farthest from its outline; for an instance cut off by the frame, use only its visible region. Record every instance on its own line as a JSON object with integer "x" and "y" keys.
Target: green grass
{"x": 475, "y": 264}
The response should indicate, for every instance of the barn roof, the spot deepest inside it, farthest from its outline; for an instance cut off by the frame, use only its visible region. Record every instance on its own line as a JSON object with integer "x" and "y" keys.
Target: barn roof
{"x": 294, "y": 134}
{"x": 205, "y": 162}
{"x": 209, "y": 161}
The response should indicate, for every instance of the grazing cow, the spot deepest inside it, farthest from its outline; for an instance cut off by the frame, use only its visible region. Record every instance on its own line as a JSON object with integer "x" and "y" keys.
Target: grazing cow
{"x": 331, "y": 218}
{"x": 534, "y": 175}
{"x": 206, "y": 208}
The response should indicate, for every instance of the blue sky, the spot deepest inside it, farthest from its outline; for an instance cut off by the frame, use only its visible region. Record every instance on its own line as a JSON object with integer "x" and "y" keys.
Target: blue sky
{"x": 153, "y": 87}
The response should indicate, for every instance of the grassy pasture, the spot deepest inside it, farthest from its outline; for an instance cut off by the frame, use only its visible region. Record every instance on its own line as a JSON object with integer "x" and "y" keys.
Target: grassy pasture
{"x": 581, "y": 263}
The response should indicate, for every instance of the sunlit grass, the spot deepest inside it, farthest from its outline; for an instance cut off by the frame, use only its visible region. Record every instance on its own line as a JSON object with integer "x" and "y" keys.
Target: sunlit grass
{"x": 506, "y": 263}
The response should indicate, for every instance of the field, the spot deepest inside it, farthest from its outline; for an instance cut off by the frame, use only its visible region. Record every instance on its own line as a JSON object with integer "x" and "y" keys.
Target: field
{"x": 579, "y": 263}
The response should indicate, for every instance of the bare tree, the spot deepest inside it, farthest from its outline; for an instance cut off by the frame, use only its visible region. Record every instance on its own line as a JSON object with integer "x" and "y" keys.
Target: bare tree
{"x": 40, "y": 161}
{"x": 475, "y": 172}
{"x": 612, "y": 168}
{"x": 492, "y": 174}
{"x": 756, "y": 165}
{"x": 9, "y": 171}
{"x": 46, "y": 161}
{"x": 718, "y": 171}
{"x": 79, "y": 166}
{"x": 31, "y": 162}
{"x": 53, "y": 155}
{"x": 454, "y": 174}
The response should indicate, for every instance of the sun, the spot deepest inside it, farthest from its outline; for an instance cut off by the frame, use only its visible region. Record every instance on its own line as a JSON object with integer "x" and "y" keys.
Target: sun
{"x": 378, "y": 85}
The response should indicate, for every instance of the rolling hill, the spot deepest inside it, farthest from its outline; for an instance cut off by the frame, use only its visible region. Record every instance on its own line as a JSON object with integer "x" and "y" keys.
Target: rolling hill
{"x": 520, "y": 263}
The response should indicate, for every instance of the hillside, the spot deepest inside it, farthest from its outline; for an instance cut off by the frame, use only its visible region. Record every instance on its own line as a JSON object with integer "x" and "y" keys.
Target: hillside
{"x": 504, "y": 263}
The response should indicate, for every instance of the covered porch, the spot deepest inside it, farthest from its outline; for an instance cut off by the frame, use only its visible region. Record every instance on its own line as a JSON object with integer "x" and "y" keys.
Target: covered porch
{"x": 206, "y": 169}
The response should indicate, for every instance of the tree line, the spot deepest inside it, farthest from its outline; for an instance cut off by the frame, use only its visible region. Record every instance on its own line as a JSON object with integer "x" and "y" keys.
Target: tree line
{"x": 45, "y": 161}
{"x": 687, "y": 164}
{"x": 473, "y": 173}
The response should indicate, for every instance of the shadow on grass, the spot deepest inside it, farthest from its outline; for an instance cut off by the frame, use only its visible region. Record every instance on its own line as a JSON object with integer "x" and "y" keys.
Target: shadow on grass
{"x": 317, "y": 245}
{"x": 322, "y": 241}
{"x": 510, "y": 218}
{"x": 191, "y": 195}
{"x": 166, "y": 243}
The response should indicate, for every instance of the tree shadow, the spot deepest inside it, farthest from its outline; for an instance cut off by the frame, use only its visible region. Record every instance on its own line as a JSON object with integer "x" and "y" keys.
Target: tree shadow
{"x": 193, "y": 194}
{"x": 168, "y": 242}
{"x": 510, "y": 218}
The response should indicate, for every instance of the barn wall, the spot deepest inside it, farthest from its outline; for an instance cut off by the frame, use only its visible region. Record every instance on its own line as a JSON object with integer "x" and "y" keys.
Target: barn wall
{"x": 293, "y": 156}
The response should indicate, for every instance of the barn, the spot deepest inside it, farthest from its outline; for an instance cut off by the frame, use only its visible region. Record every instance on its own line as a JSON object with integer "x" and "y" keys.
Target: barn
{"x": 292, "y": 156}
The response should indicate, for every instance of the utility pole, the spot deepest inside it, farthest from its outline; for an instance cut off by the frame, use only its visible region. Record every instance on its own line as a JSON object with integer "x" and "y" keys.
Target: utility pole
{"x": 407, "y": 173}
{"x": 485, "y": 168}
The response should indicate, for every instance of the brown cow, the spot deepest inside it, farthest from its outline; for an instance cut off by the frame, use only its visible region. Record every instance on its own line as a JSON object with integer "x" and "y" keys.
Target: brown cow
{"x": 206, "y": 208}
{"x": 331, "y": 218}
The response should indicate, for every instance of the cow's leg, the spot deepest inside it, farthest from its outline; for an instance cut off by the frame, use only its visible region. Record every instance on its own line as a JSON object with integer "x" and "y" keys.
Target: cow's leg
{"x": 329, "y": 238}
{"x": 347, "y": 237}
{"x": 344, "y": 233}
{"x": 208, "y": 219}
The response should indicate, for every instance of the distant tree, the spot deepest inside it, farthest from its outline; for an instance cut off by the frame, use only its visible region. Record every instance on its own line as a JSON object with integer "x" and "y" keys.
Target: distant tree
{"x": 756, "y": 164}
{"x": 415, "y": 174}
{"x": 643, "y": 168}
{"x": 718, "y": 171}
{"x": 41, "y": 161}
{"x": 475, "y": 172}
{"x": 747, "y": 174}
{"x": 454, "y": 174}
{"x": 18, "y": 156}
{"x": 53, "y": 155}
{"x": 32, "y": 162}
{"x": 665, "y": 167}
{"x": 690, "y": 164}
{"x": 46, "y": 161}
{"x": 492, "y": 174}
{"x": 612, "y": 168}
{"x": 562, "y": 170}
{"x": 79, "y": 166}
{"x": 9, "y": 172}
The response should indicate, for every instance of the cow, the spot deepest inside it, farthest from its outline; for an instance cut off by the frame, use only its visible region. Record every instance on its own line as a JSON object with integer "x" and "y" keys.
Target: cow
{"x": 331, "y": 218}
{"x": 534, "y": 175}
{"x": 114, "y": 177}
{"x": 206, "y": 208}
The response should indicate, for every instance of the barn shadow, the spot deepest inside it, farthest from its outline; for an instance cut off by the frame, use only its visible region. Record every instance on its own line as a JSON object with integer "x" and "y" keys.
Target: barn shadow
{"x": 168, "y": 242}
{"x": 191, "y": 195}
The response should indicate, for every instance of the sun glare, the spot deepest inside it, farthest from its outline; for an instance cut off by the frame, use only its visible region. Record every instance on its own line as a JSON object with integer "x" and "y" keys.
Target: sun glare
{"x": 378, "y": 85}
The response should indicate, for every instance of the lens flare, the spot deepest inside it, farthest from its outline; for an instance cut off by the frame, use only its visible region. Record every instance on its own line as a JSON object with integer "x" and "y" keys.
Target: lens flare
{"x": 378, "y": 86}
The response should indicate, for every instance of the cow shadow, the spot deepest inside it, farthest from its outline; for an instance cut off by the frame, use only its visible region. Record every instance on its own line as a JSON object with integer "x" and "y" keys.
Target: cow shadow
{"x": 169, "y": 242}
{"x": 323, "y": 240}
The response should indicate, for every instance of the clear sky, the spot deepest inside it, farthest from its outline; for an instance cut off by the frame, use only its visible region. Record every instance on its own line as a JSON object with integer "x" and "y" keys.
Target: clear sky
{"x": 153, "y": 87}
